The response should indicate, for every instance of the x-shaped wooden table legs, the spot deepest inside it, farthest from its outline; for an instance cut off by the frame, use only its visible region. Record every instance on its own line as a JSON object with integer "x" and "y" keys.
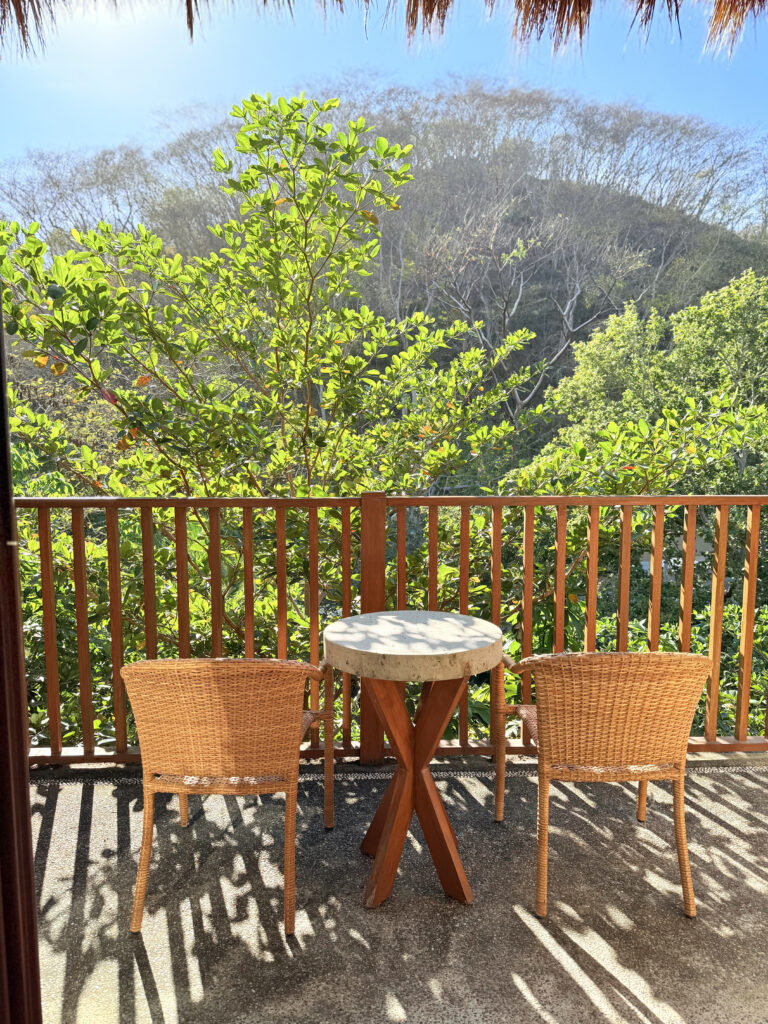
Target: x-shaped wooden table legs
{"x": 413, "y": 789}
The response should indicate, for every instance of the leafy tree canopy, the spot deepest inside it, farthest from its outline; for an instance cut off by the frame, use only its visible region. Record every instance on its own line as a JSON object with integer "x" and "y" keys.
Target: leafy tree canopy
{"x": 689, "y": 392}
{"x": 256, "y": 368}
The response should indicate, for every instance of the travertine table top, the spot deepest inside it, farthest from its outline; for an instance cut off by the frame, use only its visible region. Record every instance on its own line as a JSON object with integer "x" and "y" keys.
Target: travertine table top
{"x": 415, "y": 646}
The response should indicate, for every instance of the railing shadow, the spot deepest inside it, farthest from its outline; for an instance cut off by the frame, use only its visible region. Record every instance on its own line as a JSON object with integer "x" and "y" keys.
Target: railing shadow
{"x": 615, "y": 946}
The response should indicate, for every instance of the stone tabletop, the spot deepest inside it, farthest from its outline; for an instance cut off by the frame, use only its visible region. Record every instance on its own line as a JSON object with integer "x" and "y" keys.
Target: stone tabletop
{"x": 415, "y": 646}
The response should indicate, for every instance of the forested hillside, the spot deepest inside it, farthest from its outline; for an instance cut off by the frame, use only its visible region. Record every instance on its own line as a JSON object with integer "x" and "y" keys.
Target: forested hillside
{"x": 527, "y": 210}
{"x": 505, "y": 292}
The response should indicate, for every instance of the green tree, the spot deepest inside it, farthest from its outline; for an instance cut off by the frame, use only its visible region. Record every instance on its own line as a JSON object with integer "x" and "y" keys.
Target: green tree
{"x": 636, "y": 369}
{"x": 256, "y": 369}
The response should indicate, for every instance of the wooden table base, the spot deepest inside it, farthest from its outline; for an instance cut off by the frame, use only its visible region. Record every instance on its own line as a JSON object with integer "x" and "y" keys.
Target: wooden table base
{"x": 413, "y": 789}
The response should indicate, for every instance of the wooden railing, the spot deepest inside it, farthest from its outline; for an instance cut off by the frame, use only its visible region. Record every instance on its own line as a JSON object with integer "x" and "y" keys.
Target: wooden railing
{"x": 540, "y": 566}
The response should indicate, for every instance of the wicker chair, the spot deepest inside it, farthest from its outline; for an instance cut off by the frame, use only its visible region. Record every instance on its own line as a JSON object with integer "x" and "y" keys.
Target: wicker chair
{"x": 607, "y": 718}
{"x": 225, "y": 726}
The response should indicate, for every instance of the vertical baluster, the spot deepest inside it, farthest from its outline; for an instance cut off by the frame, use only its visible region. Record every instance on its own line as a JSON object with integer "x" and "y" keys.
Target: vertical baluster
{"x": 593, "y": 543}
{"x": 148, "y": 577}
{"x": 182, "y": 578}
{"x": 464, "y": 610}
{"x": 686, "y": 578}
{"x": 526, "y": 641}
{"x": 751, "y": 551}
{"x": 346, "y": 609}
{"x": 314, "y": 626}
{"x": 625, "y": 563}
{"x": 373, "y": 598}
{"x": 561, "y": 543}
{"x": 50, "y": 640}
{"x": 656, "y": 572}
{"x": 719, "y": 560}
{"x": 214, "y": 566}
{"x": 464, "y": 561}
{"x": 282, "y": 586}
{"x": 81, "y": 620}
{"x": 496, "y": 519}
{"x": 433, "y": 558}
{"x": 248, "y": 625}
{"x": 116, "y": 628}
{"x": 402, "y": 566}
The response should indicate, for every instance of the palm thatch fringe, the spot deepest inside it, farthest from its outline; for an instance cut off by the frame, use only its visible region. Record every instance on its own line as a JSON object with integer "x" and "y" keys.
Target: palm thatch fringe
{"x": 26, "y": 22}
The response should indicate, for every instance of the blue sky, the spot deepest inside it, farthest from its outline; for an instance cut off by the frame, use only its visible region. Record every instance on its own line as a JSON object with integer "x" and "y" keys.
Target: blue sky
{"x": 104, "y": 80}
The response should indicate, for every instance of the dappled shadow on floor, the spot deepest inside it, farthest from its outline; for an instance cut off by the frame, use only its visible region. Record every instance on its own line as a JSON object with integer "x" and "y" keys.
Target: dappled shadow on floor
{"x": 615, "y": 946}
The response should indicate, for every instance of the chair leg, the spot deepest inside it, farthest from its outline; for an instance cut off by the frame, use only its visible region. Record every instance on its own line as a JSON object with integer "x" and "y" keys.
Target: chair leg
{"x": 289, "y": 862}
{"x": 543, "y": 847}
{"x": 144, "y": 857}
{"x": 689, "y": 902}
{"x": 642, "y": 795}
{"x": 328, "y": 747}
{"x": 184, "y": 809}
{"x": 500, "y": 738}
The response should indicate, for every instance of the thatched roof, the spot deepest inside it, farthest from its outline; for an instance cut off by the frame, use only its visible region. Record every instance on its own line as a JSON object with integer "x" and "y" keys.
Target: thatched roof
{"x": 25, "y": 23}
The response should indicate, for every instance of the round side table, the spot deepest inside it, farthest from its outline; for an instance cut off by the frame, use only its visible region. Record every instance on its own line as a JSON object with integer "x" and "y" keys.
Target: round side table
{"x": 440, "y": 650}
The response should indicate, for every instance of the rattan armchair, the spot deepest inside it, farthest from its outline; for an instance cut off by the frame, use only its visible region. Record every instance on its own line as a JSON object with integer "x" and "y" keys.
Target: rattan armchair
{"x": 225, "y": 726}
{"x": 607, "y": 718}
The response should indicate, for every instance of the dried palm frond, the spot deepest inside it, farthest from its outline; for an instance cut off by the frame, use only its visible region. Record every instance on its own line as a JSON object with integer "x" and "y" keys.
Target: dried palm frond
{"x": 26, "y": 21}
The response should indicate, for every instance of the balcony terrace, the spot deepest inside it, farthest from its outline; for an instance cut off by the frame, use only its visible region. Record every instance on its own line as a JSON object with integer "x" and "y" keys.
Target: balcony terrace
{"x": 615, "y": 946}
{"x": 116, "y": 580}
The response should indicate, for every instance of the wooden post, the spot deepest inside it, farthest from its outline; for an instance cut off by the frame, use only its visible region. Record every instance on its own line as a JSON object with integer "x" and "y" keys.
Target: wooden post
{"x": 80, "y": 577}
{"x": 625, "y": 549}
{"x": 719, "y": 568}
{"x": 50, "y": 639}
{"x": 561, "y": 544}
{"x": 19, "y": 969}
{"x": 373, "y": 560}
{"x": 116, "y": 628}
{"x": 656, "y": 572}
{"x": 214, "y": 565}
{"x": 751, "y": 551}
{"x": 686, "y": 578}
{"x": 593, "y": 542}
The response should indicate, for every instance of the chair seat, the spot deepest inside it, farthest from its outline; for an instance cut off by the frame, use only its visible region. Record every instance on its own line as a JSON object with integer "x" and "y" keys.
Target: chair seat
{"x": 214, "y": 783}
{"x": 618, "y": 769}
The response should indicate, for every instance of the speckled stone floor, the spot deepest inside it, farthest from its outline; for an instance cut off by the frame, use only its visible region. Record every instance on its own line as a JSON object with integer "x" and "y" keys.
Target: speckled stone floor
{"x": 614, "y": 948}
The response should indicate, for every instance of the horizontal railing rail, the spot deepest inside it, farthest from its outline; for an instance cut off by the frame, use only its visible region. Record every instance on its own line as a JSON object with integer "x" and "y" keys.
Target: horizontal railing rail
{"x": 108, "y": 579}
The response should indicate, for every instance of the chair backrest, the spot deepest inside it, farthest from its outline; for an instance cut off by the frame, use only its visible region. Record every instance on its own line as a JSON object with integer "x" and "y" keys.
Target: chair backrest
{"x": 612, "y": 710}
{"x": 218, "y": 717}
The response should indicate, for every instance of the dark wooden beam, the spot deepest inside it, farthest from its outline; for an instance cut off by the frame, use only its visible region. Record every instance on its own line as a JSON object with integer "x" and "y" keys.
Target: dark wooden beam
{"x": 19, "y": 967}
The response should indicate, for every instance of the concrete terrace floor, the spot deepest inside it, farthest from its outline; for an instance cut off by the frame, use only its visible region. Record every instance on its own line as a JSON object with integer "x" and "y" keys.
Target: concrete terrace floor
{"x": 615, "y": 947}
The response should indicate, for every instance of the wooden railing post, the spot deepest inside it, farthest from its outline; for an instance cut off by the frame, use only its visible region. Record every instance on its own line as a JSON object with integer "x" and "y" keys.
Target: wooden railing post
{"x": 751, "y": 554}
{"x": 19, "y": 969}
{"x": 373, "y": 560}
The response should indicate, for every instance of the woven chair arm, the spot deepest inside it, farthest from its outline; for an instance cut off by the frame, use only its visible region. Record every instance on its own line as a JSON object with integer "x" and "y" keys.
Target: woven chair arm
{"x": 525, "y": 665}
{"x": 321, "y": 713}
{"x": 530, "y": 663}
